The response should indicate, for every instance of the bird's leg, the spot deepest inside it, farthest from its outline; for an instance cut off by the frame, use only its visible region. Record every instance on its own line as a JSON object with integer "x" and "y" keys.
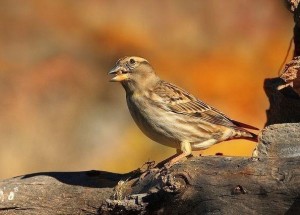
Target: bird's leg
{"x": 186, "y": 150}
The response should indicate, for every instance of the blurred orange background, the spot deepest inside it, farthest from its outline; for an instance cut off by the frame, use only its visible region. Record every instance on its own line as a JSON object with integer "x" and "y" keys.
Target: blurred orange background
{"x": 58, "y": 112}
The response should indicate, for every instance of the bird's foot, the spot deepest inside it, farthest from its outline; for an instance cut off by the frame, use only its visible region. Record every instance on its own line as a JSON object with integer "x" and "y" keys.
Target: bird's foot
{"x": 177, "y": 159}
{"x": 148, "y": 172}
{"x": 169, "y": 164}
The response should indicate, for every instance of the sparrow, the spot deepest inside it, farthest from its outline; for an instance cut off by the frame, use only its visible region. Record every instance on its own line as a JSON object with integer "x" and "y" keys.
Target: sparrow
{"x": 170, "y": 115}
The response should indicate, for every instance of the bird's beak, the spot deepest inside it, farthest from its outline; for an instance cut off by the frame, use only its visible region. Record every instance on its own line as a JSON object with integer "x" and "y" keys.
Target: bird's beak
{"x": 120, "y": 73}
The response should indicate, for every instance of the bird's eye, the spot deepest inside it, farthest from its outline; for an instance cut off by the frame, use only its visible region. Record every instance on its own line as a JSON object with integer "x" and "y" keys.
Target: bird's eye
{"x": 132, "y": 61}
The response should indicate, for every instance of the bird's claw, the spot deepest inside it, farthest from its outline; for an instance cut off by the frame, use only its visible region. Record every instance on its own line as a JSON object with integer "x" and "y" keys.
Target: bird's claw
{"x": 147, "y": 172}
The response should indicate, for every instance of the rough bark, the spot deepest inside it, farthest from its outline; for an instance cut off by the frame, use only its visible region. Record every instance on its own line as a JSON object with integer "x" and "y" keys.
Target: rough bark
{"x": 284, "y": 104}
{"x": 280, "y": 141}
{"x": 57, "y": 192}
{"x": 202, "y": 185}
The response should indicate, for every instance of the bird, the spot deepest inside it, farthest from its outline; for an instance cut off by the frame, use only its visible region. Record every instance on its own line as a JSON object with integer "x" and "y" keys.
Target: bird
{"x": 170, "y": 115}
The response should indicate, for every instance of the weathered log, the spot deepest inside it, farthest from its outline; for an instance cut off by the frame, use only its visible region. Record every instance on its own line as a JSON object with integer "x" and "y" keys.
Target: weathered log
{"x": 202, "y": 185}
{"x": 57, "y": 192}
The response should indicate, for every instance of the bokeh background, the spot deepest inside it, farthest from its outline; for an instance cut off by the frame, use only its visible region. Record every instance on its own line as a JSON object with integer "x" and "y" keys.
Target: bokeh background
{"x": 58, "y": 112}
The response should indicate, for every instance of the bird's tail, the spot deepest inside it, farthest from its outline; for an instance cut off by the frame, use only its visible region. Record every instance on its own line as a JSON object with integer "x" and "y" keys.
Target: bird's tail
{"x": 241, "y": 133}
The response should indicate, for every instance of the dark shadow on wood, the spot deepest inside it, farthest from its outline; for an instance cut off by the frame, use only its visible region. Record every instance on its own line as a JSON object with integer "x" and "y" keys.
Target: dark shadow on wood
{"x": 92, "y": 178}
{"x": 295, "y": 208}
{"x": 284, "y": 104}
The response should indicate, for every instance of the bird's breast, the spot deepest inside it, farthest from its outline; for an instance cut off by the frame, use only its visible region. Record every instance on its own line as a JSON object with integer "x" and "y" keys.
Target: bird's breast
{"x": 150, "y": 119}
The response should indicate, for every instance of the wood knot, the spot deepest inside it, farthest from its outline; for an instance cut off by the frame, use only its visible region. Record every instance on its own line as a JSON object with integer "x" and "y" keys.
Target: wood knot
{"x": 176, "y": 183}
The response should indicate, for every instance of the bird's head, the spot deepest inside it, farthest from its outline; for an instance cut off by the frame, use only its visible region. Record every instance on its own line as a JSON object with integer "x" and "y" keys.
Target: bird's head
{"x": 133, "y": 73}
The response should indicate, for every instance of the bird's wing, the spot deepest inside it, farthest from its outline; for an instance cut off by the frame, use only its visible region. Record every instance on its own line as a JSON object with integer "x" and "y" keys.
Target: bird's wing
{"x": 177, "y": 100}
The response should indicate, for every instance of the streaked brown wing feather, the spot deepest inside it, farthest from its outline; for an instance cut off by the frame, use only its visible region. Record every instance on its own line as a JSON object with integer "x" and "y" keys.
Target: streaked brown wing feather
{"x": 179, "y": 101}
{"x": 218, "y": 118}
